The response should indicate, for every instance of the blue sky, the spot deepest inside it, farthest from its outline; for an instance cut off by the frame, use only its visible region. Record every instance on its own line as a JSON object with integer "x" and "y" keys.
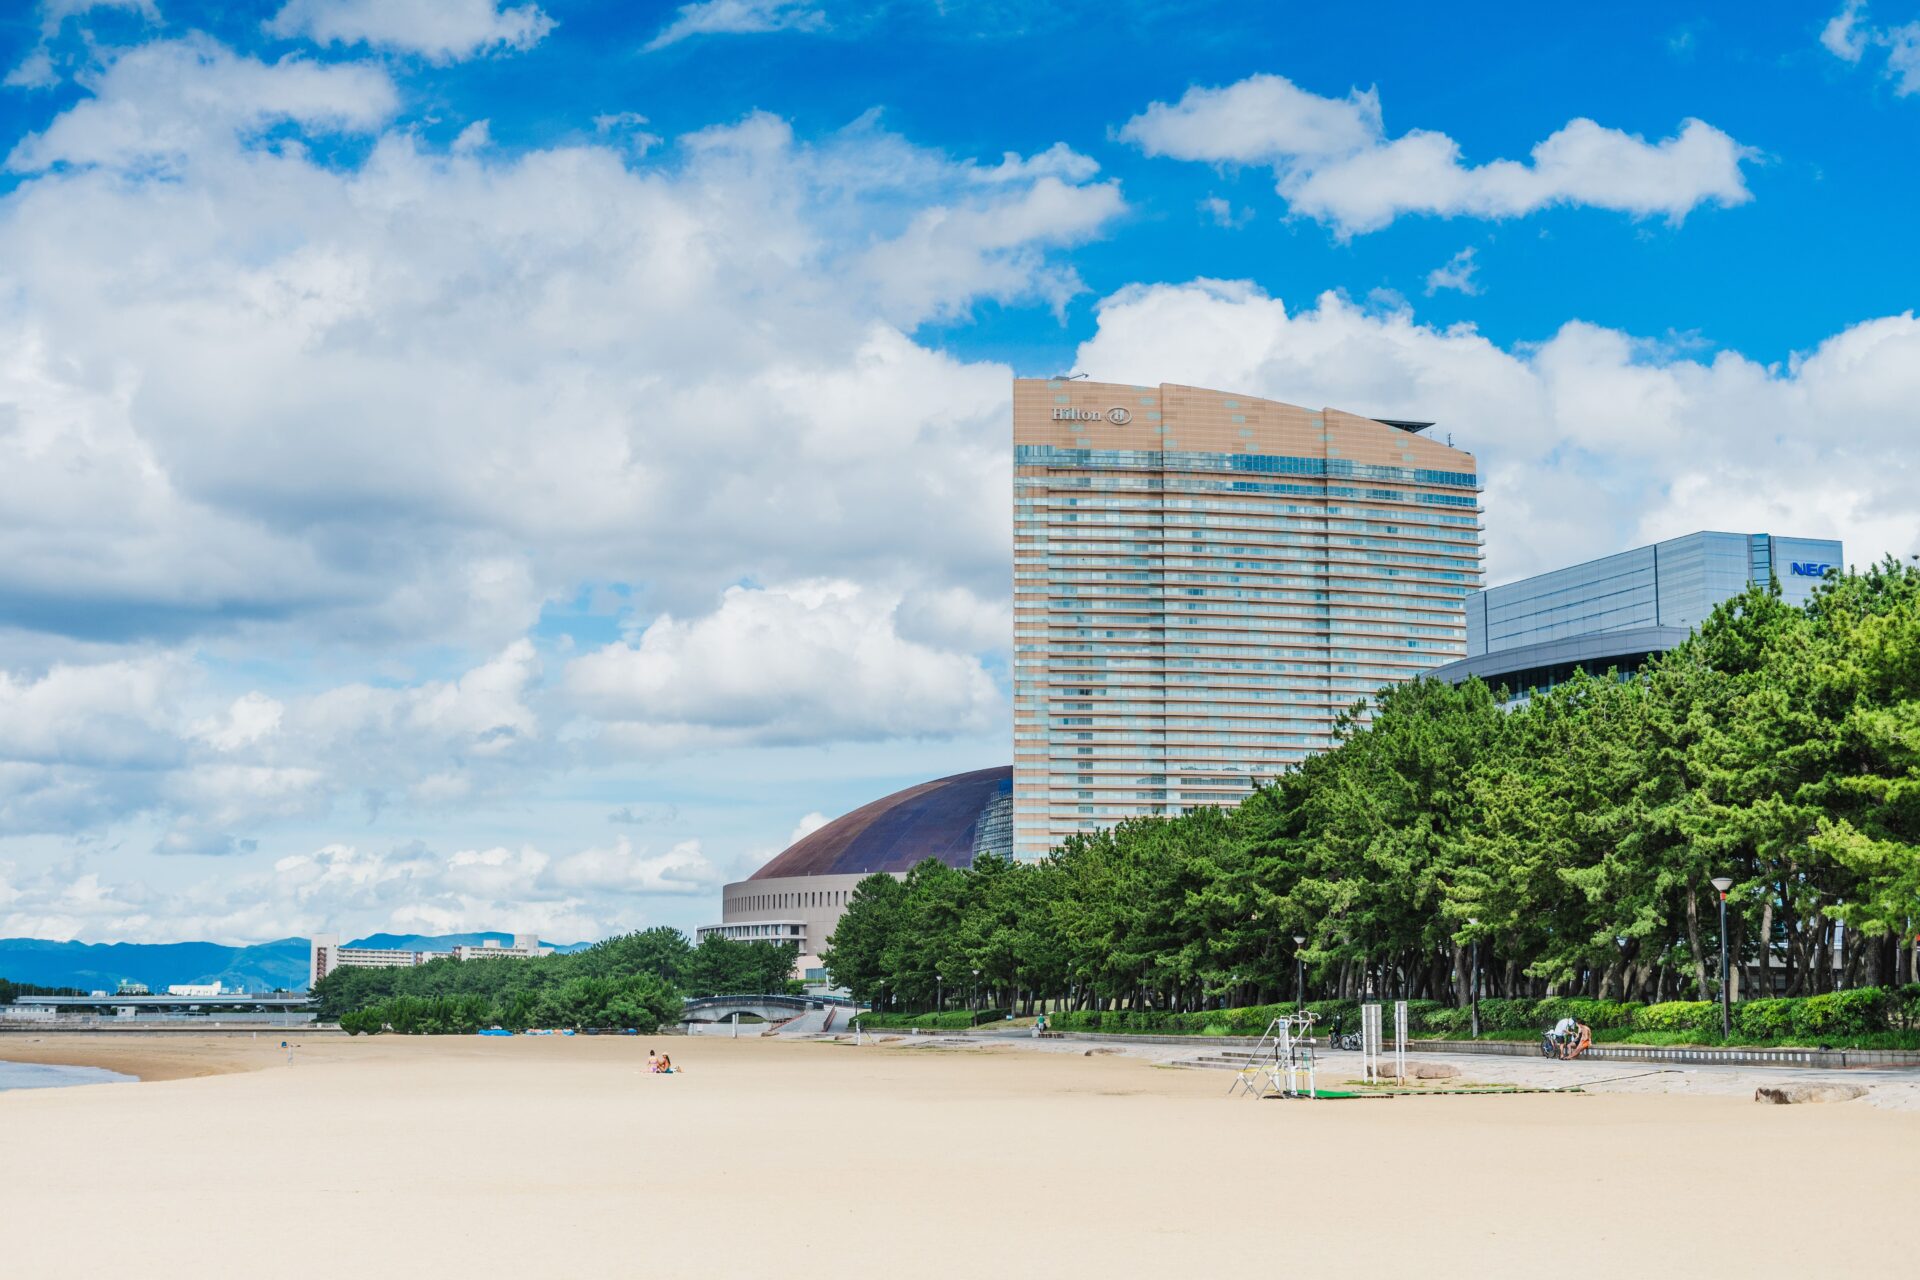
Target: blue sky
{"x": 478, "y": 466}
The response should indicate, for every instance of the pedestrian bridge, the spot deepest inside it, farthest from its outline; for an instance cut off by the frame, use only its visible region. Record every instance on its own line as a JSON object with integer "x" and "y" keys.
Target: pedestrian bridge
{"x": 770, "y": 1007}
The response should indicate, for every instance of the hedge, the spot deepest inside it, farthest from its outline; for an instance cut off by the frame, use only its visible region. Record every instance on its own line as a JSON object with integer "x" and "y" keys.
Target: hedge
{"x": 953, "y": 1020}
{"x": 1866, "y": 1011}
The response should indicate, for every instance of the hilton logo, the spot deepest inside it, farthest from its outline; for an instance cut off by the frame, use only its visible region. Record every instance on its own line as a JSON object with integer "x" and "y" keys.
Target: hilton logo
{"x": 1117, "y": 415}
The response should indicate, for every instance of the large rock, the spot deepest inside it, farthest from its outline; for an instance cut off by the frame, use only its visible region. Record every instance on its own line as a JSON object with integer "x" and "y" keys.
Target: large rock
{"x": 1432, "y": 1071}
{"x": 1786, "y": 1095}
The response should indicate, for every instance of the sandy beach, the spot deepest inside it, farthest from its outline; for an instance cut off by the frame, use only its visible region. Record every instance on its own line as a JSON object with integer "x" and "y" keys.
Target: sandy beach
{"x": 428, "y": 1157}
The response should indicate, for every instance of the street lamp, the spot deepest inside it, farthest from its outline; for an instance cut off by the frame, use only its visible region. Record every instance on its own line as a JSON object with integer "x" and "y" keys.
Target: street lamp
{"x": 1299, "y": 973}
{"x": 973, "y": 997}
{"x": 1723, "y": 883}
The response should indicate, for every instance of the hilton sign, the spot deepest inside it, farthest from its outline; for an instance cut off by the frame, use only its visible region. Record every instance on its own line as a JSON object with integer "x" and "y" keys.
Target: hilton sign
{"x": 1118, "y": 416}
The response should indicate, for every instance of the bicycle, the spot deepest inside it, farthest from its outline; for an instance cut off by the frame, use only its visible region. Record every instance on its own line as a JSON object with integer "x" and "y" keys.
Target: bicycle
{"x": 1336, "y": 1039}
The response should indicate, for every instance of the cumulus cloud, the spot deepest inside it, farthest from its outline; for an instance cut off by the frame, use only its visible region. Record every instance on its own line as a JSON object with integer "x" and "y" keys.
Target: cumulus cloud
{"x": 373, "y": 408}
{"x": 738, "y": 17}
{"x": 1334, "y": 161}
{"x": 1848, "y": 36}
{"x": 440, "y": 30}
{"x": 1842, "y": 36}
{"x": 807, "y": 825}
{"x": 158, "y": 104}
{"x": 412, "y": 399}
{"x": 346, "y": 888}
{"x": 37, "y": 70}
{"x": 1588, "y": 441}
{"x": 808, "y": 661}
{"x": 1456, "y": 273}
{"x": 82, "y": 746}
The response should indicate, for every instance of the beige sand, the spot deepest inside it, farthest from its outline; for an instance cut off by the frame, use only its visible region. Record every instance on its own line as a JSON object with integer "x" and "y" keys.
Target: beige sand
{"x": 560, "y": 1158}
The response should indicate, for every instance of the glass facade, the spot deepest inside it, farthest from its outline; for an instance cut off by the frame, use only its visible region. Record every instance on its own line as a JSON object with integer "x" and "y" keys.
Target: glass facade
{"x": 1203, "y": 582}
{"x": 1675, "y": 583}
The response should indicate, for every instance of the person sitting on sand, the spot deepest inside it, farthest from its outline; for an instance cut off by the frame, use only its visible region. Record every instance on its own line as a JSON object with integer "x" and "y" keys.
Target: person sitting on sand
{"x": 666, "y": 1065}
{"x": 653, "y": 1061}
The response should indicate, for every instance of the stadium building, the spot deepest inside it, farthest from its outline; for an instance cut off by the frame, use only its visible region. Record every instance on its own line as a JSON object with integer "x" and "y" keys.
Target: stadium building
{"x": 1616, "y": 612}
{"x": 1204, "y": 581}
{"x": 798, "y": 897}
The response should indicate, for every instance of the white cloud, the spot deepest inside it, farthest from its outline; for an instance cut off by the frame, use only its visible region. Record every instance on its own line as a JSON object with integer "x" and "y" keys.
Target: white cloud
{"x": 37, "y": 69}
{"x": 83, "y": 746}
{"x": 627, "y": 870}
{"x": 252, "y": 717}
{"x": 738, "y": 17}
{"x": 807, "y": 825}
{"x": 1848, "y": 36}
{"x": 1223, "y": 214}
{"x": 440, "y": 30}
{"x": 1456, "y": 273}
{"x": 1588, "y": 441}
{"x": 158, "y": 104}
{"x": 1842, "y": 35}
{"x": 55, "y": 12}
{"x": 796, "y": 663}
{"x": 409, "y": 400}
{"x": 350, "y": 889}
{"x": 1334, "y": 162}
{"x": 371, "y": 409}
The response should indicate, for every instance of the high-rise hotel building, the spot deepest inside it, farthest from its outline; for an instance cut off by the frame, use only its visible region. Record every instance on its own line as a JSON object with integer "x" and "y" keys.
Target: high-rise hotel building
{"x": 1203, "y": 581}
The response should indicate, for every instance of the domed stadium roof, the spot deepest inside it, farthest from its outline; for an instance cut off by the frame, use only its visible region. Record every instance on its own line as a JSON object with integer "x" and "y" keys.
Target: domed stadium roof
{"x": 949, "y": 818}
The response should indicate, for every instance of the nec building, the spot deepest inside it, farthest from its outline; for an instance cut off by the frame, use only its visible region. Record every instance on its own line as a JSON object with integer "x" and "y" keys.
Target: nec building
{"x": 1204, "y": 581}
{"x": 1618, "y": 611}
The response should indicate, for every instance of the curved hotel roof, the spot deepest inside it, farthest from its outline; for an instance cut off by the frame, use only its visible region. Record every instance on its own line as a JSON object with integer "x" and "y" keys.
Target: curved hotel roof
{"x": 941, "y": 819}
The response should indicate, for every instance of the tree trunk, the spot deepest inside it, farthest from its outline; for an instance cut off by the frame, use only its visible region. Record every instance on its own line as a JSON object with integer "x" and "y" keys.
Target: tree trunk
{"x": 1765, "y": 982}
{"x": 1693, "y": 942}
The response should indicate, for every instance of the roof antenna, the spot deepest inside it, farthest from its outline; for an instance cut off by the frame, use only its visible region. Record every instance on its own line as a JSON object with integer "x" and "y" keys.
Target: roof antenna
{"x": 1449, "y": 439}
{"x": 1066, "y": 377}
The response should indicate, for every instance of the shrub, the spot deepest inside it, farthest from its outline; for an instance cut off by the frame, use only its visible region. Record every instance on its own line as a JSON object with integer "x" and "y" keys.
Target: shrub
{"x": 1597, "y": 1014}
{"x": 1859, "y": 1012}
{"x": 1770, "y": 1019}
{"x": 1699, "y": 1016}
{"x": 1904, "y": 1011}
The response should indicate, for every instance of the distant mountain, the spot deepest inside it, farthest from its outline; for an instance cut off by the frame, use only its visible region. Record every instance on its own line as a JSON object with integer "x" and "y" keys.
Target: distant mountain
{"x": 265, "y": 966}
{"x": 101, "y": 966}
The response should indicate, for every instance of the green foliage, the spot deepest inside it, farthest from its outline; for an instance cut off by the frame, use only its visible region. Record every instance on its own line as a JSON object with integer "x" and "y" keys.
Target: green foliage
{"x": 954, "y": 1020}
{"x": 631, "y": 982}
{"x": 10, "y": 990}
{"x": 1571, "y": 840}
{"x": 1696, "y": 1017}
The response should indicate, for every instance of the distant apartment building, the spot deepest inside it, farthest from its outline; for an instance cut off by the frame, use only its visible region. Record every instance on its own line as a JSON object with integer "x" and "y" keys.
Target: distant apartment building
{"x": 327, "y": 954}
{"x": 1616, "y": 612}
{"x": 525, "y": 946}
{"x": 1204, "y": 581}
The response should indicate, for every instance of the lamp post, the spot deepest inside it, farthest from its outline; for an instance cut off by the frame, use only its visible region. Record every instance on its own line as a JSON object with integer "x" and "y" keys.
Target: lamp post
{"x": 1723, "y": 883}
{"x": 1299, "y": 973}
{"x": 1473, "y": 978}
{"x": 973, "y": 996}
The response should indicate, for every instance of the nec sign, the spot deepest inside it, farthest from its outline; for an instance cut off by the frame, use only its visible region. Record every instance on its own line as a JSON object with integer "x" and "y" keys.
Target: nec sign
{"x": 1809, "y": 569}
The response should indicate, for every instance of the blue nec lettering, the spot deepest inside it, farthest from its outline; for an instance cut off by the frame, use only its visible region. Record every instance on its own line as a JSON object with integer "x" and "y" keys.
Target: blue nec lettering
{"x": 1810, "y": 569}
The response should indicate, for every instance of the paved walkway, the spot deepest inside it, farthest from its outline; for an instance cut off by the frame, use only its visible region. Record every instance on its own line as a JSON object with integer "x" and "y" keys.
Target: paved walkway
{"x": 1894, "y": 1088}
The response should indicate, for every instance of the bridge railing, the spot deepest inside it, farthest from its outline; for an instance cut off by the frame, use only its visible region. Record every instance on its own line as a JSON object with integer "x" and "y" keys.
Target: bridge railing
{"x": 777, "y": 1001}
